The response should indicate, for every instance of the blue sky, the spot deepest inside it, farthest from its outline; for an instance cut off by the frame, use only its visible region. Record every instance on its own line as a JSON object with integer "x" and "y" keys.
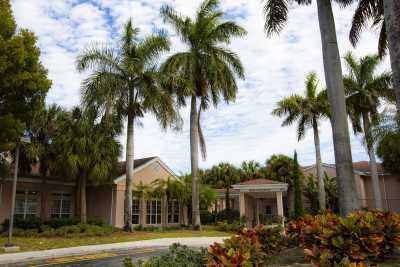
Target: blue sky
{"x": 244, "y": 130}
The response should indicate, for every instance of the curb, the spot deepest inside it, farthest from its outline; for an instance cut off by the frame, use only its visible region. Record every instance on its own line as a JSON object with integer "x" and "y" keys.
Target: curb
{"x": 21, "y": 257}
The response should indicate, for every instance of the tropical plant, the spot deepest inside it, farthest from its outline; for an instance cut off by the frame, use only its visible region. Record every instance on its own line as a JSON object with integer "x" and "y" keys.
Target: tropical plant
{"x": 223, "y": 176}
{"x": 311, "y": 192}
{"x": 385, "y": 15}
{"x": 307, "y": 111}
{"x": 250, "y": 170}
{"x": 276, "y": 16}
{"x": 281, "y": 168}
{"x": 125, "y": 81}
{"x": 365, "y": 90}
{"x": 298, "y": 189}
{"x": 205, "y": 73}
{"x": 387, "y": 135}
{"x": 86, "y": 150}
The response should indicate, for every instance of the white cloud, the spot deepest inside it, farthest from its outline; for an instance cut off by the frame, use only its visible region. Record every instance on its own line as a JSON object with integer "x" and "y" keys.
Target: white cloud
{"x": 275, "y": 67}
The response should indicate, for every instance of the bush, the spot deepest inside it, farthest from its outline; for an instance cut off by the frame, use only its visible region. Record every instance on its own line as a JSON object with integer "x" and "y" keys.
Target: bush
{"x": 60, "y": 222}
{"x": 361, "y": 238}
{"x": 250, "y": 247}
{"x": 207, "y": 217}
{"x": 229, "y": 216}
{"x": 177, "y": 256}
{"x": 24, "y": 224}
{"x": 229, "y": 227}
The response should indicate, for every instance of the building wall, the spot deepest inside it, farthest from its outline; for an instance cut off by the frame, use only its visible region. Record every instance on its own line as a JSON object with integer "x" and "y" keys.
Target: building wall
{"x": 99, "y": 201}
{"x": 44, "y": 197}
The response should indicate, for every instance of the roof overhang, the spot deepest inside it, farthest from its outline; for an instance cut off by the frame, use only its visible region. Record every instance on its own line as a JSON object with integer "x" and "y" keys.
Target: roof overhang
{"x": 156, "y": 159}
{"x": 281, "y": 187}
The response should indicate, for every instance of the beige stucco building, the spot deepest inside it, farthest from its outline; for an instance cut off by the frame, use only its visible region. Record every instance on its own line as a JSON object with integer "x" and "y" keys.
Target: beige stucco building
{"x": 53, "y": 198}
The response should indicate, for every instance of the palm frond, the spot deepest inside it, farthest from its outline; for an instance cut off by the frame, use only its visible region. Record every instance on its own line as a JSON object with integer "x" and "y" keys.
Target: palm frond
{"x": 363, "y": 12}
{"x": 224, "y": 31}
{"x": 383, "y": 42}
{"x": 152, "y": 47}
{"x": 276, "y": 15}
{"x": 179, "y": 22}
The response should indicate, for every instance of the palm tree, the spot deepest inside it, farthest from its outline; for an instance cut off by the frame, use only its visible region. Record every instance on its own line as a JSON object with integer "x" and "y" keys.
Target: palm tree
{"x": 250, "y": 170}
{"x": 223, "y": 175}
{"x": 276, "y": 15}
{"x": 204, "y": 73}
{"x": 384, "y": 14}
{"x": 86, "y": 150}
{"x": 306, "y": 111}
{"x": 126, "y": 81}
{"x": 365, "y": 90}
{"x": 41, "y": 149}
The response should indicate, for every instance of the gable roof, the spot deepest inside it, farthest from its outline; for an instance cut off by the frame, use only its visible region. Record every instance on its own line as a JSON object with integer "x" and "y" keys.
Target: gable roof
{"x": 139, "y": 164}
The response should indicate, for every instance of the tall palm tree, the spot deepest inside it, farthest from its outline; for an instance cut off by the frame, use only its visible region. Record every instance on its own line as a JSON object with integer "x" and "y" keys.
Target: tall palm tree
{"x": 365, "y": 90}
{"x": 276, "y": 15}
{"x": 307, "y": 111}
{"x": 386, "y": 15}
{"x": 125, "y": 80}
{"x": 204, "y": 73}
{"x": 86, "y": 150}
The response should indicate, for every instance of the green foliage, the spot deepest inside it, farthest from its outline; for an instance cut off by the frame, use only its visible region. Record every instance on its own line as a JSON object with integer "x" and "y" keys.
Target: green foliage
{"x": 389, "y": 151}
{"x": 177, "y": 256}
{"x": 311, "y": 192}
{"x": 233, "y": 227}
{"x": 251, "y": 170}
{"x": 250, "y": 247}
{"x": 23, "y": 79}
{"x": 207, "y": 217}
{"x": 280, "y": 168}
{"x": 228, "y": 215}
{"x": 360, "y": 238}
{"x": 298, "y": 192}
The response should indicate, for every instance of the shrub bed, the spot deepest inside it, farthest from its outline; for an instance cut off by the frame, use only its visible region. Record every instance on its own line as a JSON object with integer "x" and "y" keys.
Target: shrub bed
{"x": 250, "y": 247}
{"x": 34, "y": 227}
{"x": 363, "y": 238}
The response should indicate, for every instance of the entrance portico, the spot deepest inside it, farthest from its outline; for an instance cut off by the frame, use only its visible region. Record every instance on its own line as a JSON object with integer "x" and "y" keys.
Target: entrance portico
{"x": 260, "y": 198}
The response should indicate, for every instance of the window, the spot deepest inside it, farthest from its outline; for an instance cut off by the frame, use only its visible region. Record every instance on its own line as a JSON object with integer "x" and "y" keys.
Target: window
{"x": 61, "y": 207}
{"x": 153, "y": 211}
{"x": 268, "y": 210}
{"x": 173, "y": 211}
{"x": 135, "y": 211}
{"x": 26, "y": 204}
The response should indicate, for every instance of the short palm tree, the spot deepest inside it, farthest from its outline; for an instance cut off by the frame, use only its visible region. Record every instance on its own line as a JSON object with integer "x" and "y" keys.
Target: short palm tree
{"x": 307, "y": 111}
{"x": 276, "y": 16}
{"x": 126, "y": 81}
{"x": 86, "y": 150}
{"x": 205, "y": 73}
{"x": 365, "y": 90}
{"x": 250, "y": 170}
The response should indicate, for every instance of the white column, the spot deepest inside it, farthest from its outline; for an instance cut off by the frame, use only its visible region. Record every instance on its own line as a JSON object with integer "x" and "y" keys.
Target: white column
{"x": 242, "y": 205}
{"x": 257, "y": 211}
{"x": 279, "y": 203}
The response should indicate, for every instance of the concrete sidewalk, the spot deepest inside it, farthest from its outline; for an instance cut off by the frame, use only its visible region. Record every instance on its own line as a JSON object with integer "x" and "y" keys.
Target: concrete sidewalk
{"x": 20, "y": 257}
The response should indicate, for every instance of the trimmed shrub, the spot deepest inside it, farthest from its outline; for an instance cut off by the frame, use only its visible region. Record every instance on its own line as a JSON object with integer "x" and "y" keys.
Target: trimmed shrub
{"x": 24, "y": 224}
{"x": 229, "y": 227}
{"x": 60, "y": 222}
{"x": 207, "y": 217}
{"x": 177, "y": 256}
{"x": 229, "y": 216}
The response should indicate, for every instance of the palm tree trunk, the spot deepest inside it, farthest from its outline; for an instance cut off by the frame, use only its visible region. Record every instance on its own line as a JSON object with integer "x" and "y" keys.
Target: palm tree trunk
{"x": 376, "y": 189}
{"x": 318, "y": 164}
{"x": 83, "y": 211}
{"x": 392, "y": 20}
{"x": 227, "y": 199}
{"x": 129, "y": 173}
{"x": 334, "y": 81}
{"x": 194, "y": 157}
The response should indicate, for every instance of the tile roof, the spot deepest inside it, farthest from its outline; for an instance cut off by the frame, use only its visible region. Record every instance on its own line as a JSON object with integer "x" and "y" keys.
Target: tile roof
{"x": 258, "y": 181}
{"x": 137, "y": 163}
{"x": 363, "y": 166}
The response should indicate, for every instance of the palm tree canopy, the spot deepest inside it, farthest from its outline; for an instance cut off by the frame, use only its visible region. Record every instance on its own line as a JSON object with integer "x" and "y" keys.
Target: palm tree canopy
{"x": 276, "y": 13}
{"x": 222, "y": 175}
{"x": 85, "y": 147}
{"x": 208, "y": 68}
{"x": 305, "y": 110}
{"x": 126, "y": 79}
{"x": 364, "y": 88}
{"x": 369, "y": 10}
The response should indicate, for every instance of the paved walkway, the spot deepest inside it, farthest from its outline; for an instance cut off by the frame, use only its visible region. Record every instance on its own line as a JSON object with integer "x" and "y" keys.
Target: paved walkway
{"x": 20, "y": 257}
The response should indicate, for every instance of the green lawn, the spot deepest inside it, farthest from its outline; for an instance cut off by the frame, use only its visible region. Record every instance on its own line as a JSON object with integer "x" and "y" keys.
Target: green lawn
{"x": 42, "y": 243}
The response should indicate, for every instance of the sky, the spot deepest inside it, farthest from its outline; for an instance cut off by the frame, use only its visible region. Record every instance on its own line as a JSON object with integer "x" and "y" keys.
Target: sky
{"x": 244, "y": 130}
